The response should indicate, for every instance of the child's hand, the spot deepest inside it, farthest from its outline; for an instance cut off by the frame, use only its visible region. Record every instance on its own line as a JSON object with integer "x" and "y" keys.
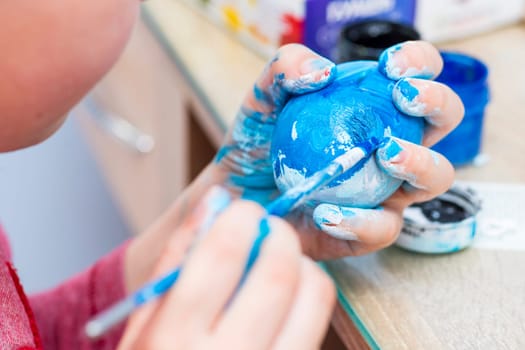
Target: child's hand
{"x": 245, "y": 163}
{"x": 285, "y": 302}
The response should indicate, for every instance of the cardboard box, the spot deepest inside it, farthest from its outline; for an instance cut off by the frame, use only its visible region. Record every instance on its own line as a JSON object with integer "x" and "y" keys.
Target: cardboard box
{"x": 264, "y": 25}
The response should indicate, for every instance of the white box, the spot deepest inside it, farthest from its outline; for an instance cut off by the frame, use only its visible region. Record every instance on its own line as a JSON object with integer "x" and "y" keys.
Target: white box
{"x": 454, "y": 19}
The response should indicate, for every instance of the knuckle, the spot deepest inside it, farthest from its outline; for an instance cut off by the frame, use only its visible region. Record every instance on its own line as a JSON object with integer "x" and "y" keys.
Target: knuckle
{"x": 152, "y": 340}
{"x": 249, "y": 209}
{"x": 324, "y": 285}
{"x": 185, "y": 295}
{"x": 282, "y": 262}
{"x": 419, "y": 161}
{"x": 226, "y": 249}
{"x": 240, "y": 218}
{"x": 282, "y": 274}
{"x": 233, "y": 233}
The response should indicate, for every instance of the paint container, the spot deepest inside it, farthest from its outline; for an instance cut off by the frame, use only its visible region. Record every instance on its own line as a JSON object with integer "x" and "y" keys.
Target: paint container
{"x": 467, "y": 76}
{"x": 445, "y": 224}
{"x": 366, "y": 40}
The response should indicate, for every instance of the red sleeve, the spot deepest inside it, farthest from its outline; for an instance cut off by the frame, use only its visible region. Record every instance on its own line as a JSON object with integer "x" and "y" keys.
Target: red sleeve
{"x": 62, "y": 312}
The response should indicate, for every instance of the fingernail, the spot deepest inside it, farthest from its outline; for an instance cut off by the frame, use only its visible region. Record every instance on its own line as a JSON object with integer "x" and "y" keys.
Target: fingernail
{"x": 387, "y": 62}
{"x": 335, "y": 221}
{"x": 391, "y": 152}
{"x": 315, "y": 73}
{"x": 393, "y": 64}
{"x": 405, "y": 96}
{"x": 327, "y": 214}
{"x": 392, "y": 157}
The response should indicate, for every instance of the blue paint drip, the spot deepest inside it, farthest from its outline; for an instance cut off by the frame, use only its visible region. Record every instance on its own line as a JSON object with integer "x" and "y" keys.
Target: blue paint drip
{"x": 279, "y": 77}
{"x": 223, "y": 151}
{"x": 264, "y": 231}
{"x": 474, "y": 229}
{"x": 261, "y": 95}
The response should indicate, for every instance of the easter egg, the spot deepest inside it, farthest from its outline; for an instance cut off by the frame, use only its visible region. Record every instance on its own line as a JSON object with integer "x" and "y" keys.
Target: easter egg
{"x": 315, "y": 128}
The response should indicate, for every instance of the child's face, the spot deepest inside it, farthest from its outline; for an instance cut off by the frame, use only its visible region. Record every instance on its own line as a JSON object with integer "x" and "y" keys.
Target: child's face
{"x": 52, "y": 54}
{"x": 22, "y": 131}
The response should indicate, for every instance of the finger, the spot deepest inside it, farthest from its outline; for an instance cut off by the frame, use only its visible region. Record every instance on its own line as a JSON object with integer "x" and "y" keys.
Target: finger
{"x": 213, "y": 202}
{"x": 263, "y": 303}
{"x": 294, "y": 70}
{"x": 371, "y": 228}
{"x": 211, "y": 274}
{"x": 310, "y": 316}
{"x": 417, "y": 59}
{"x": 427, "y": 171}
{"x": 441, "y": 107}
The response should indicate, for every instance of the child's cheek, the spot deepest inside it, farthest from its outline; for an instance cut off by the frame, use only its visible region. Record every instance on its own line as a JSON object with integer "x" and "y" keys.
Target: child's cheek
{"x": 68, "y": 48}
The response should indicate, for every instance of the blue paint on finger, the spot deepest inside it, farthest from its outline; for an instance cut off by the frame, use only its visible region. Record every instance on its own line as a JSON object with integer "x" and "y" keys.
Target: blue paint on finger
{"x": 327, "y": 214}
{"x": 392, "y": 69}
{"x": 264, "y": 231}
{"x": 407, "y": 90}
{"x": 405, "y": 96}
{"x": 390, "y": 150}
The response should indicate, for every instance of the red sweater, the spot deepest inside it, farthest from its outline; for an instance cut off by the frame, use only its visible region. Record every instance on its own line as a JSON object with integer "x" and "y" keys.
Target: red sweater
{"x": 54, "y": 320}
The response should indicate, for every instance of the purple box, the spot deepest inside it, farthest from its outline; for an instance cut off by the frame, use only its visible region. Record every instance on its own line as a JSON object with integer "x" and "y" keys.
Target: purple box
{"x": 324, "y": 19}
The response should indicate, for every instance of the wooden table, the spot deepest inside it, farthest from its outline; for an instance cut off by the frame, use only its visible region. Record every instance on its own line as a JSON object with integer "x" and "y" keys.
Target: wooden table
{"x": 396, "y": 300}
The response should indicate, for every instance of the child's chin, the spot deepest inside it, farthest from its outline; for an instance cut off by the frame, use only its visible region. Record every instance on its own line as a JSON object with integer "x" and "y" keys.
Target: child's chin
{"x": 30, "y": 136}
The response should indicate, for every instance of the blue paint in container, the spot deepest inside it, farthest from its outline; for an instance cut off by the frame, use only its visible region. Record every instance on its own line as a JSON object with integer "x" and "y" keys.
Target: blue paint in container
{"x": 467, "y": 76}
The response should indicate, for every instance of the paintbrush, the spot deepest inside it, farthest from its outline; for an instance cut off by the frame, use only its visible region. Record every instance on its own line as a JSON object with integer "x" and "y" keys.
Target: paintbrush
{"x": 281, "y": 206}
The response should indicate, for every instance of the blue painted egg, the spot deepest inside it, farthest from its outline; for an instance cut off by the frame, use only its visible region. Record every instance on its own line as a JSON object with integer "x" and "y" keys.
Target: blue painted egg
{"x": 315, "y": 128}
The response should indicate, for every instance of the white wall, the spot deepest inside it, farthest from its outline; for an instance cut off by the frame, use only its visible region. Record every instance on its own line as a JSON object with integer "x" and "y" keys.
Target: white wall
{"x": 56, "y": 209}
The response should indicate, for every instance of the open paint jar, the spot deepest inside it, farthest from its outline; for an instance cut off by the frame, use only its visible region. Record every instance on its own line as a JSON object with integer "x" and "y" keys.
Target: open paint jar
{"x": 444, "y": 224}
{"x": 366, "y": 40}
{"x": 467, "y": 76}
